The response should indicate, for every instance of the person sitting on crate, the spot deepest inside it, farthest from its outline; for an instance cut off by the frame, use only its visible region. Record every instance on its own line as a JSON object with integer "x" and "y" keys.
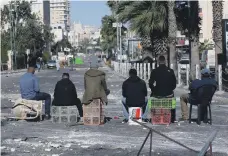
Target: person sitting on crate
{"x": 184, "y": 99}
{"x": 165, "y": 83}
{"x": 95, "y": 84}
{"x": 134, "y": 92}
{"x": 65, "y": 94}
{"x": 29, "y": 87}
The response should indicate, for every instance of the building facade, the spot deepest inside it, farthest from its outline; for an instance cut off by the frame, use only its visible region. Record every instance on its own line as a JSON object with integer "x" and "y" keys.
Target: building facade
{"x": 60, "y": 13}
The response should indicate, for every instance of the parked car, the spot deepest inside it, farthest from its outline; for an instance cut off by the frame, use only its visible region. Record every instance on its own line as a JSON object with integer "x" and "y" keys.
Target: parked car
{"x": 208, "y": 59}
{"x": 51, "y": 64}
{"x": 183, "y": 65}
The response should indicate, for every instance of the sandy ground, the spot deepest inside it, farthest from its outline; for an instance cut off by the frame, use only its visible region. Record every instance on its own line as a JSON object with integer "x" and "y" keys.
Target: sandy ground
{"x": 21, "y": 138}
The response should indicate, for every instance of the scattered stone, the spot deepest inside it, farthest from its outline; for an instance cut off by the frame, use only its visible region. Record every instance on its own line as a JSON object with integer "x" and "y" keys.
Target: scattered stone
{"x": 17, "y": 140}
{"x": 12, "y": 149}
{"x": 3, "y": 147}
{"x": 67, "y": 145}
{"x": 47, "y": 149}
{"x": 54, "y": 145}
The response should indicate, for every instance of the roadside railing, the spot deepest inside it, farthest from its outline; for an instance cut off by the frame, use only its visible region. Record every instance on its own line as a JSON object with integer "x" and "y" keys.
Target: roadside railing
{"x": 208, "y": 144}
{"x": 144, "y": 71}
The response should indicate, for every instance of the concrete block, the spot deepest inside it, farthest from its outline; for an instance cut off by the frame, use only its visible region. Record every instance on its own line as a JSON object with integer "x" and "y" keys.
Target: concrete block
{"x": 64, "y": 114}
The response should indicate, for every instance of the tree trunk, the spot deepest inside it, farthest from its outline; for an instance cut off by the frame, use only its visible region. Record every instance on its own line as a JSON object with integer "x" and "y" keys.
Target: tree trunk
{"x": 172, "y": 28}
{"x": 194, "y": 57}
{"x": 217, "y": 8}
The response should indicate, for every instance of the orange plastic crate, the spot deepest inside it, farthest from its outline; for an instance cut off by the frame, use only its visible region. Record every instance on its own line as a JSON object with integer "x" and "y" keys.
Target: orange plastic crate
{"x": 93, "y": 114}
{"x": 160, "y": 116}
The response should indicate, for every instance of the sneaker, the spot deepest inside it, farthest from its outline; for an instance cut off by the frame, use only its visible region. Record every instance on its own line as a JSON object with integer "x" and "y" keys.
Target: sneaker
{"x": 125, "y": 121}
{"x": 47, "y": 117}
{"x": 80, "y": 120}
{"x": 182, "y": 119}
{"x": 145, "y": 120}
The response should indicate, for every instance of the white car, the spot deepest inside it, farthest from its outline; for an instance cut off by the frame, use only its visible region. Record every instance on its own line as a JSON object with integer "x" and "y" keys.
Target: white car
{"x": 183, "y": 65}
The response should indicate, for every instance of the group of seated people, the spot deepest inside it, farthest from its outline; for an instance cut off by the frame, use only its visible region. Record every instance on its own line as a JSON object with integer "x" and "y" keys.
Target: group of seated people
{"x": 162, "y": 83}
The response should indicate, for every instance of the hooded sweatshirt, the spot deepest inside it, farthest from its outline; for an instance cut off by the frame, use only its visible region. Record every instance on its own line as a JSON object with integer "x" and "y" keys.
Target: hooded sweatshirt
{"x": 65, "y": 93}
{"x": 134, "y": 90}
{"x": 95, "y": 86}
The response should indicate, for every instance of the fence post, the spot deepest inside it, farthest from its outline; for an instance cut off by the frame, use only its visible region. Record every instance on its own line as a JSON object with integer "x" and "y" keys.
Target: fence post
{"x": 148, "y": 66}
{"x": 179, "y": 75}
{"x": 197, "y": 72}
{"x": 141, "y": 70}
{"x": 220, "y": 77}
{"x": 137, "y": 68}
{"x": 187, "y": 74}
{"x": 171, "y": 66}
{"x": 153, "y": 66}
{"x": 144, "y": 71}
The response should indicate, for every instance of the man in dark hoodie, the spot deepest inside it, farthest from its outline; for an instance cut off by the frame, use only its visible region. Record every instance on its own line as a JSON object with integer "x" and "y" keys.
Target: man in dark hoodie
{"x": 134, "y": 93}
{"x": 65, "y": 94}
{"x": 95, "y": 83}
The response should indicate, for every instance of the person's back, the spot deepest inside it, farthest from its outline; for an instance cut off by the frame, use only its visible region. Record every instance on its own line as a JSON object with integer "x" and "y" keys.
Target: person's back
{"x": 206, "y": 80}
{"x": 95, "y": 86}
{"x": 28, "y": 86}
{"x": 65, "y": 93}
{"x": 134, "y": 90}
{"x": 165, "y": 80}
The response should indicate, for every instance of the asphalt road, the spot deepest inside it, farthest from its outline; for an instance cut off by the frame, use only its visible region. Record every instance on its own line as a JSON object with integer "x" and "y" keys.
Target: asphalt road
{"x": 21, "y": 138}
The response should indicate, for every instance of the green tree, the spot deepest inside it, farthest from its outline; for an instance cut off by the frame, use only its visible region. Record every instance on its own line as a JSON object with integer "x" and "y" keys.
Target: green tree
{"x": 149, "y": 20}
{"x": 172, "y": 29}
{"x": 188, "y": 19}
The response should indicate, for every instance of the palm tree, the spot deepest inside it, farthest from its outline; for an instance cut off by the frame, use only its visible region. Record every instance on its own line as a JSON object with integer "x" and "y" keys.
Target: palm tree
{"x": 217, "y": 10}
{"x": 172, "y": 28}
{"x": 149, "y": 20}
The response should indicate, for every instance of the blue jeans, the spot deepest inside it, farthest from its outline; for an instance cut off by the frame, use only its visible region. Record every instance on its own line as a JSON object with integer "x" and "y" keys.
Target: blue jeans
{"x": 47, "y": 98}
{"x": 126, "y": 113}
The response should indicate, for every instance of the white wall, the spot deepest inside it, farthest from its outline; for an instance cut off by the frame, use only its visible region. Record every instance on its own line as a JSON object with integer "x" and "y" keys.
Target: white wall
{"x": 58, "y": 33}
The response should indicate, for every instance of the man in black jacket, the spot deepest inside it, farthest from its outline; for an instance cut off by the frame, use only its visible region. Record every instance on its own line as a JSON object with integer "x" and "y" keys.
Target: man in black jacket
{"x": 134, "y": 93}
{"x": 165, "y": 83}
{"x": 65, "y": 94}
{"x": 165, "y": 80}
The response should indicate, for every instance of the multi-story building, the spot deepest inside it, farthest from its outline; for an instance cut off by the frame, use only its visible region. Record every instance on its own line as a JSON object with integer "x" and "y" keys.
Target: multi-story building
{"x": 205, "y": 12}
{"x": 60, "y": 13}
{"x": 42, "y": 9}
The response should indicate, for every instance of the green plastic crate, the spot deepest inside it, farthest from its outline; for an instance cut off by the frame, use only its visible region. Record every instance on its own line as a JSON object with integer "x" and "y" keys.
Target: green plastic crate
{"x": 164, "y": 103}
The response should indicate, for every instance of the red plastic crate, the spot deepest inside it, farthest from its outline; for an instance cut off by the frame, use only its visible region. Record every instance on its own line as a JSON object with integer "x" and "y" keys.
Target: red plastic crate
{"x": 160, "y": 116}
{"x": 93, "y": 114}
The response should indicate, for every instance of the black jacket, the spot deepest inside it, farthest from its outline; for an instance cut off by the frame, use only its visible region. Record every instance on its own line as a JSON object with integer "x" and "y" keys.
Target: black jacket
{"x": 134, "y": 90}
{"x": 65, "y": 93}
{"x": 165, "y": 81}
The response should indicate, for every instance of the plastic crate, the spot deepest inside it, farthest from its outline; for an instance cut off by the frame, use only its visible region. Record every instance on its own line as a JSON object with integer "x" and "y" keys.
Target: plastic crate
{"x": 93, "y": 113}
{"x": 164, "y": 103}
{"x": 64, "y": 114}
{"x": 160, "y": 116}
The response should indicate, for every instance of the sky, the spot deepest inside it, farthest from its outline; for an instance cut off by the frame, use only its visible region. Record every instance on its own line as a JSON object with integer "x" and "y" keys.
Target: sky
{"x": 88, "y": 12}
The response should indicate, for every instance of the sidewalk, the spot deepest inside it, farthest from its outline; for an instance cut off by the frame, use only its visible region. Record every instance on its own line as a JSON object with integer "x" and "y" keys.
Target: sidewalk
{"x": 13, "y": 71}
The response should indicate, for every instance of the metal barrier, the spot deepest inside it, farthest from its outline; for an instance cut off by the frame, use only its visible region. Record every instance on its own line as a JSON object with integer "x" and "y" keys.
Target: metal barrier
{"x": 204, "y": 150}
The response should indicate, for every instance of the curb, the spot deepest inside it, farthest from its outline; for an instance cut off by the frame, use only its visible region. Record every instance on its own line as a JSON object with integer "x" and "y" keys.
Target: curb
{"x": 12, "y": 72}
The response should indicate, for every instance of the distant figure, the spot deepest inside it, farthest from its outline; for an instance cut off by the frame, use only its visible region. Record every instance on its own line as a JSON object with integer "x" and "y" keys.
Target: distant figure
{"x": 65, "y": 94}
{"x": 95, "y": 84}
{"x": 29, "y": 87}
{"x": 184, "y": 99}
{"x": 134, "y": 93}
{"x": 38, "y": 64}
{"x": 162, "y": 83}
{"x": 57, "y": 64}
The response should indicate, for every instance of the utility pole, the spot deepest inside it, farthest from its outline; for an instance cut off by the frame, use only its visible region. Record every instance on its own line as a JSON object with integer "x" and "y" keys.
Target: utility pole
{"x": 11, "y": 34}
{"x": 15, "y": 31}
{"x": 121, "y": 52}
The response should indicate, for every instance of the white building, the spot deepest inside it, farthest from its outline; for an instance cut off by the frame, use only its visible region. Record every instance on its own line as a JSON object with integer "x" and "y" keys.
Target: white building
{"x": 58, "y": 33}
